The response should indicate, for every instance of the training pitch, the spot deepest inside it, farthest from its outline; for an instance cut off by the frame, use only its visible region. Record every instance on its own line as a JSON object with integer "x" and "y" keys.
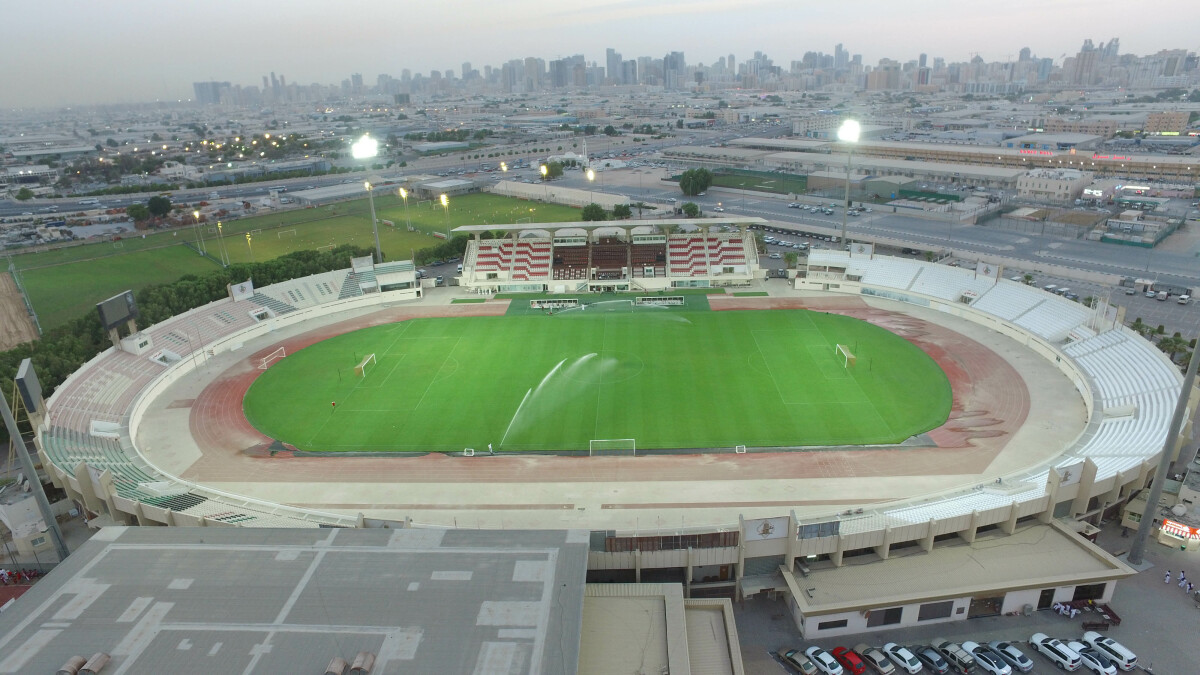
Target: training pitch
{"x": 680, "y": 377}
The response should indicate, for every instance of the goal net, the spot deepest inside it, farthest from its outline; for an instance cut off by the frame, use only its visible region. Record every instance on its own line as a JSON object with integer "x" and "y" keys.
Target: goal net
{"x": 843, "y": 352}
{"x": 365, "y": 366}
{"x": 283, "y": 234}
{"x": 266, "y": 361}
{"x": 612, "y": 446}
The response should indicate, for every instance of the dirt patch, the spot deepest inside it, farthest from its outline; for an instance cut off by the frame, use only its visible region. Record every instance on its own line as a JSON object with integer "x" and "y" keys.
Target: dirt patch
{"x": 15, "y": 325}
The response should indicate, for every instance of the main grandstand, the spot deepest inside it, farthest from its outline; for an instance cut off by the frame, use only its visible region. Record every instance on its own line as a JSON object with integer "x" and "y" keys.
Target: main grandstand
{"x": 145, "y": 440}
{"x": 630, "y": 255}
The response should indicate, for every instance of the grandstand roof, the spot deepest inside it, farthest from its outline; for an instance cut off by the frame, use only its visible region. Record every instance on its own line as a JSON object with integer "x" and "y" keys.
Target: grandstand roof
{"x": 232, "y": 600}
{"x": 597, "y": 224}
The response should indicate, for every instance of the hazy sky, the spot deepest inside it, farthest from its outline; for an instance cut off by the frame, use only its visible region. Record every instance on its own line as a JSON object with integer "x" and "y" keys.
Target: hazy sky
{"x": 141, "y": 50}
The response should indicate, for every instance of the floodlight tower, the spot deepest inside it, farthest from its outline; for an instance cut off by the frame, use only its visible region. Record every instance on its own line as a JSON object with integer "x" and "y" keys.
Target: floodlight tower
{"x": 366, "y": 148}
{"x": 848, "y": 133}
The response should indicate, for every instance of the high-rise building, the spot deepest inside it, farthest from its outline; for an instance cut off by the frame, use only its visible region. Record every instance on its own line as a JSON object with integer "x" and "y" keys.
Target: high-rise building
{"x": 921, "y": 60}
{"x": 674, "y": 68}
{"x": 612, "y": 62}
{"x": 841, "y": 58}
{"x": 629, "y": 72}
{"x": 209, "y": 93}
{"x": 1025, "y": 54}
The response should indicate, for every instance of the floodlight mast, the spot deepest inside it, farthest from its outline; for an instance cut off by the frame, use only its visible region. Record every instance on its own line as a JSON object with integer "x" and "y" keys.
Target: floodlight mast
{"x": 366, "y": 148}
{"x": 848, "y": 133}
{"x": 35, "y": 483}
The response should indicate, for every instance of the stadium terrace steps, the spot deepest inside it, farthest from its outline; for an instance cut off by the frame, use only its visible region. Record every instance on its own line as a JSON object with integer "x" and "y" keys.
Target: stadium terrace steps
{"x": 277, "y": 306}
{"x": 1124, "y": 371}
{"x": 697, "y": 255}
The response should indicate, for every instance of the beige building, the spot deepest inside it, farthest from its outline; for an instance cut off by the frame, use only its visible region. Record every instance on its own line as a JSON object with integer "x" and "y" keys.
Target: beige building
{"x": 1166, "y": 122}
{"x": 1053, "y": 185}
{"x": 1103, "y": 128}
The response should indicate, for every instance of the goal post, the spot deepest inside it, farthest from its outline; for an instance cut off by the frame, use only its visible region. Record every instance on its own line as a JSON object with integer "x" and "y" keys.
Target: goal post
{"x": 598, "y": 447}
{"x": 846, "y": 355}
{"x": 365, "y": 366}
{"x": 266, "y": 361}
{"x": 285, "y": 233}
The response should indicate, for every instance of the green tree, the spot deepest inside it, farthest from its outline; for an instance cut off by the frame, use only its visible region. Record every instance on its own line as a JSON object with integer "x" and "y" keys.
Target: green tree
{"x": 138, "y": 212}
{"x": 790, "y": 258}
{"x": 159, "y": 206}
{"x": 690, "y": 210}
{"x": 593, "y": 212}
{"x": 622, "y": 211}
{"x": 554, "y": 170}
{"x": 679, "y": 123}
{"x": 110, "y": 143}
{"x": 610, "y": 130}
{"x": 24, "y": 194}
{"x": 639, "y": 206}
{"x": 695, "y": 181}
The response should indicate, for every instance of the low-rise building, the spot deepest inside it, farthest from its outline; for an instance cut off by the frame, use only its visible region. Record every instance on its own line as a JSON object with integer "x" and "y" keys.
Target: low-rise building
{"x": 1167, "y": 123}
{"x": 1053, "y": 185}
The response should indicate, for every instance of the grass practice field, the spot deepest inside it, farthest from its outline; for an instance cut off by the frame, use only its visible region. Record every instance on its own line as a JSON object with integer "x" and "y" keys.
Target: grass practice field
{"x": 65, "y": 282}
{"x": 667, "y": 377}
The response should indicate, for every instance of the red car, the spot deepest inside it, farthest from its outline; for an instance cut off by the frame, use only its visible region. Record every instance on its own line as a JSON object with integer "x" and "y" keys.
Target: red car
{"x": 850, "y": 661}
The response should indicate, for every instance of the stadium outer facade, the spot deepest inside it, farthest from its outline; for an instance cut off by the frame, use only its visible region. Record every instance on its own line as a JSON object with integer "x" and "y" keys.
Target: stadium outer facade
{"x": 1127, "y": 386}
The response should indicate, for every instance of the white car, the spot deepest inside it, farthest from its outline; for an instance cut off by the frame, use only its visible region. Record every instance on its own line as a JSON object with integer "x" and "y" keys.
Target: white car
{"x": 1115, "y": 651}
{"x": 1061, "y": 655}
{"x": 1093, "y": 660}
{"x": 986, "y": 659}
{"x": 902, "y": 658}
{"x": 1015, "y": 657}
{"x": 824, "y": 661}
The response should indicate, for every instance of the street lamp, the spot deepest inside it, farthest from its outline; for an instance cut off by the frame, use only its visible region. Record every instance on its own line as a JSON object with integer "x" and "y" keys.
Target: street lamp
{"x": 366, "y": 148}
{"x": 591, "y": 176}
{"x": 404, "y": 196}
{"x": 374, "y": 221}
{"x": 545, "y": 172}
{"x": 848, "y": 133}
{"x": 249, "y": 246}
{"x": 199, "y": 235}
{"x": 221, "y": 244}
{"x": 446, "y": 212}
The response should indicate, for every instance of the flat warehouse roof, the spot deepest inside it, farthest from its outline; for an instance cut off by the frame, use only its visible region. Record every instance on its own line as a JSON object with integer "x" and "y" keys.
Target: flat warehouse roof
{"x": 234, "y": 600}
{"x": 1042, "y": 556}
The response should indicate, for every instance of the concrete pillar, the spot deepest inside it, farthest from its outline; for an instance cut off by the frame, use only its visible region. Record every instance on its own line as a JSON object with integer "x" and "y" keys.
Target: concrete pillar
{"x": 687, "y": 579}
{"x": 637, "y": 566}
{"x": 1086, "y": 480}
{"x": 968, "y": 535}
{"x": 884, "y": 549}
{"x": 927, "y": 540}
{"x": 836, "y": 556}
{"x": 1010, "y": 525}
{"x": 793, "y": 541}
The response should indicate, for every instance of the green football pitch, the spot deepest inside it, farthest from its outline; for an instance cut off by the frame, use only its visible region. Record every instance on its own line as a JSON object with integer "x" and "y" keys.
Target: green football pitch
{"x": 668, "y": 378}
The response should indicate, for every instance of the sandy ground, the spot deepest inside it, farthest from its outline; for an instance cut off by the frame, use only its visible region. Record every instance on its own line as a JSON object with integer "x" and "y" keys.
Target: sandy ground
{"x": 15, "y": 325}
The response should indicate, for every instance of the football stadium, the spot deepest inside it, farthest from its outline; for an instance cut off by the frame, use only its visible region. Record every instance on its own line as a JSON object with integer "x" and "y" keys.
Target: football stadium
{"x": 698, "y": 422}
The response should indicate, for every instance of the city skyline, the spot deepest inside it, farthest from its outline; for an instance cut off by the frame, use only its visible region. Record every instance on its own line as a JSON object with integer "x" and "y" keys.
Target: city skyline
{"x": 98, "y": 55}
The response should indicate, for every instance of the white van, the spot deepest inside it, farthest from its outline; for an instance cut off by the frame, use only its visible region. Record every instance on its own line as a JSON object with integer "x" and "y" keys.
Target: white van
{"x": 1162, "y": 295}
{"x": 1049, "y": 288}
{"x": 1183, "y": 299}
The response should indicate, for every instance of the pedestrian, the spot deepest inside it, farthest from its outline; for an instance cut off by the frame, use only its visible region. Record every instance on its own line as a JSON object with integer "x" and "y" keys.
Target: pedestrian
{"x": 1183, "y": 582}
{"x": 1167, "y": 577}
{"x": 1189, "y": 588}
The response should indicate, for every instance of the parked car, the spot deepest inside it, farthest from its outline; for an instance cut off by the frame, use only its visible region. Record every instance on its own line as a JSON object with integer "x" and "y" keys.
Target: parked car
{"x": 959, "y": 660}
{"x": 823, "y": 661}
{"x": 850, "y": 661}
{"x": 902, "y": 657}
{"x": 1093, "y": 660}
{"x": 796, "y": 659}
{"x": 1015, "y": 657}
{"x": 1059, "y": 654}
{"x": 875, "y": 659}
{"x": 986, "y": 659}
{"x": 932, "y": 660}
{"x": 1118, "y": 653}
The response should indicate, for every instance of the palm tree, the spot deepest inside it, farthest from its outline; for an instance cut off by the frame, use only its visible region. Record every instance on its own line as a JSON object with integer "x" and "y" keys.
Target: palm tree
{"x": 639, "y": 206}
